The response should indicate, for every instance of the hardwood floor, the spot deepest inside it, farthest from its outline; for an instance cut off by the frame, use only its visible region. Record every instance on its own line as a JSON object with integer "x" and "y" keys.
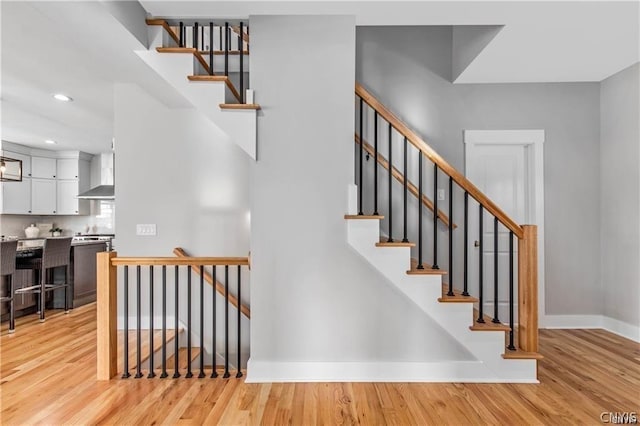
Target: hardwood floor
{"x": 48, "y": 376}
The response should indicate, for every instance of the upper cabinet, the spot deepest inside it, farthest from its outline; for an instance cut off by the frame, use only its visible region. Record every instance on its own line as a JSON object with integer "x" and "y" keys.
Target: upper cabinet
{"x": 68, "y": 168}
{"x": 43, "y": 167}
{"x": 26, "y": 164}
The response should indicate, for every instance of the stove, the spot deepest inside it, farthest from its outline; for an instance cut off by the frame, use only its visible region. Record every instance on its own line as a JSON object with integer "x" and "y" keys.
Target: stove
{"x": 108, "y": 238}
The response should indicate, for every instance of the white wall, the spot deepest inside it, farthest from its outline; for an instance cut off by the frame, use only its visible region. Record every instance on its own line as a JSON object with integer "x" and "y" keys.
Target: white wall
{"x": 620, "y": 197}
{"x": 313, "y": 297}
{"x": 174, "y": 169}
{"x": 409, "y": 69}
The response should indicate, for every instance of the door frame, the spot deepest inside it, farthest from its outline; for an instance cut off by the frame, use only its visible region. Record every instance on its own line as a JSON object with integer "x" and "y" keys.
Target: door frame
{"x": 533, "y": 140}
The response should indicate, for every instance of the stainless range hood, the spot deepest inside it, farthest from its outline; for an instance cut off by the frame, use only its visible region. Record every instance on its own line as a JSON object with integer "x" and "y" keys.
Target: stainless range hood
{"x": 106, "y": 189}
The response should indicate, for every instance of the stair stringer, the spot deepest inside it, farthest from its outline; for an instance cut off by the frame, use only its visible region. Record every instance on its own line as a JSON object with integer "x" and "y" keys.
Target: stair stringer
{"x": 206, "y": 96}
{"x": 424, "y": 290}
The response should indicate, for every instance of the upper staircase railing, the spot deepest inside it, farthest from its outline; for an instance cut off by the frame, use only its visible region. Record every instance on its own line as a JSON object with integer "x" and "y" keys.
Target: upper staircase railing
{"x": 172, "y": 322}
{"x": 525, "y": 234}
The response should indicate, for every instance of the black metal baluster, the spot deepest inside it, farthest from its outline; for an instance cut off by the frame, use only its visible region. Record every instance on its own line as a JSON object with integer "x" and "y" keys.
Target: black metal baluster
{"x": 189, "y": 299}
{"x": 201, "y": 375}
{"x": 181, "y": 35}
{"x": 239, "y": 312}
{"x": 210, "y": 48}
{"x": 152, "y": 373}
{"x": 241, "y": 64}
{"x": 214, "y": 372}
{"x": 247, "y": 41}
{"x": 450, "y": 292}
{"x": 226, "y": 322}
{"x": 511, "y": 346}
{"x": 465, "y": 291}
{"x": 360, "y": 170}
{"x": 226, "y": 49}
{"x": 220, "y": 34}
{"x": 164, "y": 322}
{"x": 176, "y": 346}
{"x": 406, "y": 193}
{"x": 138, "y": 325}
{"x": 125, "y": 373}
{"x": 390, "y": 239}
{"x": 420, "y": 265}
{"x": 480, "y": 268}
{"x": 202, "y": 37}
{"x": 195, "y": 36}
{"x": 435, "y": 217}
{"x": 375, "y": 163}
{"x": 495, "y": 271}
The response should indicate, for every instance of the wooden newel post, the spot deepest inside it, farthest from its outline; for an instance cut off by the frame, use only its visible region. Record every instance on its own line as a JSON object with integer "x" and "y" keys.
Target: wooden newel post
{"x": 107, "y": 316}
{"x": 528, "y": 289}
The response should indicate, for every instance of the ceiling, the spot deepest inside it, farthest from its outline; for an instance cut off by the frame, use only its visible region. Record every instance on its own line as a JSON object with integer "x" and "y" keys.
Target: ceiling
{"x": 80, "y": 49}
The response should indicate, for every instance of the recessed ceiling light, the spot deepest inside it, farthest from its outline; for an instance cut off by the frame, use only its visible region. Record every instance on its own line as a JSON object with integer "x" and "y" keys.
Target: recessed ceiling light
{"x": 63, "y": 98}
{"x": 50, "y": 142}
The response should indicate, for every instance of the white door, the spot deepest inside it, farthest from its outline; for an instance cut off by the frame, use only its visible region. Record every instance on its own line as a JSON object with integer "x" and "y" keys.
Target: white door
{"x": 43, "y": 196}
{"x": 67, "y": 193}
{"x": 16, "y": 197}
{"x": 67, "y": 168}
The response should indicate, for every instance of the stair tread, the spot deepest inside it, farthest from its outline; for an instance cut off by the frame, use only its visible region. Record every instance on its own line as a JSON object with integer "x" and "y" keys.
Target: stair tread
{"x": 396, "y": 243}
{"x": 144, "y": 345}
{"x": 240, "y": 106}
{"x": 176, "y": 49}
{"x": 456, "y": 298}
{"x": 221, "y": 52}
{"x": 362, "y": 216}
{"x": 488, "y": 324}
{"x": 217, "y": 78}
{"x": 521, "y": 355}
{"x": 426, "y": 271}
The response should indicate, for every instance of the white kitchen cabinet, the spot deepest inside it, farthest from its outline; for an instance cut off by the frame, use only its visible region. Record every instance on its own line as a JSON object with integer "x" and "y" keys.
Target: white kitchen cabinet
{"x": 67, "y": 168}
{"x": 68, "y": 203}
{"x": 16, "y": 197}
{"x": 43, "y": 167}
{"x": 43, "y": 196}
{"x": 26, "y": 163}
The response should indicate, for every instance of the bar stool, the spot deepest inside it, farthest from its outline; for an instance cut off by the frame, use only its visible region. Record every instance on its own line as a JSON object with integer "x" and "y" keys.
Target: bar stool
{"x": 8, "y": 268}
{"x": 55, "y": 252}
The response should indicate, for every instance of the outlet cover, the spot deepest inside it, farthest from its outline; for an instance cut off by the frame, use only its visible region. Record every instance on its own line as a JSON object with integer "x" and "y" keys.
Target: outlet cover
{"x": 146, "y": 229}
{"x": 440, "y": 194}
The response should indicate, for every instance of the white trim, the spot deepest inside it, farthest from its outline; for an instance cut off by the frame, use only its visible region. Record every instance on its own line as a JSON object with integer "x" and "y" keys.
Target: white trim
{"x": 609, "y": 324}
{"x": 444, "y": 371}
{"x": 534, "y": 141}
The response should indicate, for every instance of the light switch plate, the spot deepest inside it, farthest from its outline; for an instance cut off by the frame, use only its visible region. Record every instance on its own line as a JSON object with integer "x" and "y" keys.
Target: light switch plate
{"x": 146, "y": 229}
{"x": 440, "y": 194}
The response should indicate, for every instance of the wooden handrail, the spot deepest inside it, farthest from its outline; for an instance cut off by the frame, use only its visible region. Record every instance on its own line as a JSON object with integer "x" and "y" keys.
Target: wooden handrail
{"x": 421, "y": 145}
{"x": 218, "y": 285}
{"x": 164, "y": 24}
{"x": 245, "y": 36}
{"x": 181, "y": 261}
{"x": 400, "y": 178}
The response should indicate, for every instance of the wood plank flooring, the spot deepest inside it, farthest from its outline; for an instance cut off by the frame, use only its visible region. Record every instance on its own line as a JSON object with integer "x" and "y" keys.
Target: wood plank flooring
{"x": 48, "y": 376}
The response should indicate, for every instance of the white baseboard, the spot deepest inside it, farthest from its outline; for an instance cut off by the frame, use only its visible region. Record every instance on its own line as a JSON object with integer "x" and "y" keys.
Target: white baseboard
{"x": 444, "y": 371}
{"x": 612, "y": 325}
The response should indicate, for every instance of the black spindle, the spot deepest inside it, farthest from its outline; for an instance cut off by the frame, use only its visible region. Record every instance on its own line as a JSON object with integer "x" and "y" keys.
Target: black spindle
{"x": 361, "y": 157}
{"x": 189, "y": 372}
{"x": 511, "y": 346}
{"x": 226, "y": 322}
{"x": 405, "y": 195}
{"x": 195, "y": 36}
{"x": 435, "y": 217}
{"x": 239, "y": 312}
{"x": 214, "y": 372}
{"x": 390, "y": 239}
{"x": 420, "y": 265}
{"x": 138, "y": 326}
{"x": 164, "y": 322}
{"x": 450, "y": 292}
{"x": 181, "y": 35}
{"x": 125, "y": 353}
{"x": 495, "y": 271}
{"x": 152, "y": 373}
{"x": 465, "y": 291}
{"x": 226, "y": 49}
{"x": 176, "y": 346}
{"x": 241, "y": 63}
{"x": 210, "y": 48}
{"x": 220, "y": 35}
{"x": 202, "y": 37}
{"x": 480, "y": 267}
{"x": 375, "y": 163}
{"x": 201, "y": 375}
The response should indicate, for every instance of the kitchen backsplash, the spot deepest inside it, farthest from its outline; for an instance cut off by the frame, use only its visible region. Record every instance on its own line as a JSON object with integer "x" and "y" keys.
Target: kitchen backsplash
{"x": 101, "y": 221}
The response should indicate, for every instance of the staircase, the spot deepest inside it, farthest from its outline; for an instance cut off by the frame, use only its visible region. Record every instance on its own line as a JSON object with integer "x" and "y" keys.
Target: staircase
{"x": 211, "y": 80}
{"x": 458, "y": 312}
